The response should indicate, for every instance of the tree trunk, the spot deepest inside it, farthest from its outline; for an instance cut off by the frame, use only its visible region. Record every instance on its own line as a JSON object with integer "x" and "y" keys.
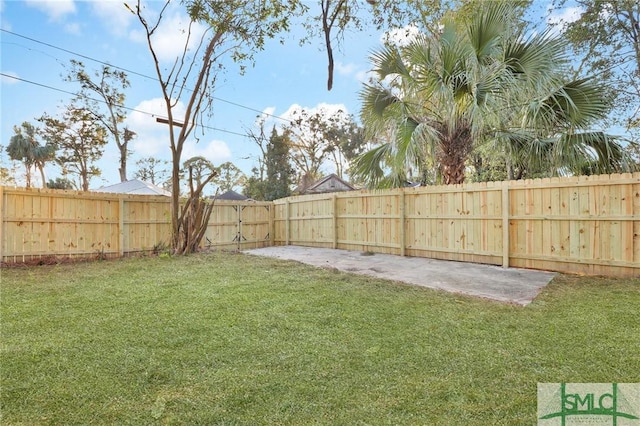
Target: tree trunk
{"x": 27, "y": 175}
{"x": 510, "y": 172}
{"x": 41, "y": 168}
{"x": 456, "y": 145}
{"x": 175, "y": 200}
{"x": 126, "y": 137}
{"x": 123, "y": 164}
{"x": 194, "y": 217}
{"x": 328, "y": 19}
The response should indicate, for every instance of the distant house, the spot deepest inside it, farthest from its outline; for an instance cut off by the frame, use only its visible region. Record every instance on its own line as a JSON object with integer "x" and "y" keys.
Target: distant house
{"x": 134, "y": 186}
{"x": 231, "y": 195}
{"x": 330, "y": 183}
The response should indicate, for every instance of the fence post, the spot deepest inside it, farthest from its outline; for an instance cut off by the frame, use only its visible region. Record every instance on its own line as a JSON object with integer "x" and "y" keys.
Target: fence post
{"x": 2, "y": 242}
{"x": 403, "y": 235}
{"x": 272, "y": 224}
{"x": 239, "y": 210}
{"x": 505, "y": 224}
{"x": 335, "y": 220}
{"x": 286, "y": 225}
{"x": 121, "y": 225}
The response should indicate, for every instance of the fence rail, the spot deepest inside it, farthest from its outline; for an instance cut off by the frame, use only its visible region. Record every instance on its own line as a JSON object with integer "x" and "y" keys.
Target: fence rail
{"x": 588, "y": 225}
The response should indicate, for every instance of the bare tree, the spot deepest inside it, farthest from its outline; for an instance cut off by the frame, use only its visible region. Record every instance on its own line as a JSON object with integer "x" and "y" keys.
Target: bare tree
{"x": 235, "y": 29}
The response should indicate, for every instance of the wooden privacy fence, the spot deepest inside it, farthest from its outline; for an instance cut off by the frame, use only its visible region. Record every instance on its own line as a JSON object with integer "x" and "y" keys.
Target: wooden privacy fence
{"x": 35, "y": 223}
{"x": 587, "y": 225}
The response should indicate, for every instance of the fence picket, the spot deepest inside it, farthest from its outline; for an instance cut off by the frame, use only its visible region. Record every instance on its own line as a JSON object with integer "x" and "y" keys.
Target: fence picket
{"x": 587, "y": 225}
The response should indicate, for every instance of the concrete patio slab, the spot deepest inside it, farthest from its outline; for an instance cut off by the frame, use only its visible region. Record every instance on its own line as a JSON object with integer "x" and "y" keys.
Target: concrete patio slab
{"x": 511, "y": 285}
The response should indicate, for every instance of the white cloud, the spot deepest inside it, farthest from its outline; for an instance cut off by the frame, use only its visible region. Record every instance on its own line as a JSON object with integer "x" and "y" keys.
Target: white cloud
{"x": 269, "y": 110}
{"x": 345, "y": 69}
{"x": 72, "y": 28}
{"x": 366, "y": 76}
{"x": 171, "y": 36}
{"x": 114, "y": 15}
{"x": 151, "y": 137}
{"x": 327, "y": 111}
{"x": 55, "y": 9}
{"x": 4, "y": 24}
{"x": 265, "y": 117}
{"x": 9, "y": 80}
{"x": 563, "y": 16}
{"x": 216, "y": 151}
{"x": 150, "y": 145}
{"x": 400, "y": 36}
{"x": 324, "y": 108}
{"x": 143, "y": 118}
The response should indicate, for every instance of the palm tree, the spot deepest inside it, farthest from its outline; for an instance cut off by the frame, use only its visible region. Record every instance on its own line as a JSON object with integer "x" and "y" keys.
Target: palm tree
{"x": 481, "y": 78}
{"x": 24, "y": 147}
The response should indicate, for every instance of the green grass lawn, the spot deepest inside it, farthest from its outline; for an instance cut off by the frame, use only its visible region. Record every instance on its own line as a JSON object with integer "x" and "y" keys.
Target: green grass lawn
{"x": 236, "y": 339}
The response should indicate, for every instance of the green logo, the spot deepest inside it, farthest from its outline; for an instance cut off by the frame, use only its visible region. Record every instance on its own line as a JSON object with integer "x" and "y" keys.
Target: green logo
{"x": 567, "y": 404}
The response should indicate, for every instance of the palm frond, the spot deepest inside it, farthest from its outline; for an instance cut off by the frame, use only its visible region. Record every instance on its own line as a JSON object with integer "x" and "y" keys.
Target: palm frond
{"x": 411, "y": 139}
{"x": 482, "y": 73}
{"x": 376, "y": 100}
{"x": 486, "y": 28}
{"x": 591, "y": 153}
{"x": 388, "y": 61}
{"x": 575, "y": 104}
{"x": 535, "y": 57}
{"x": 369, "y": 166}
{"x": 581, "y": 102}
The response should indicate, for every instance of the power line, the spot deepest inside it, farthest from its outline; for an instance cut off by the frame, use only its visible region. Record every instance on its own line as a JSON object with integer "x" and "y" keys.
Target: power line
{"x": 128, "y": 71}
{"x": 123, "y": 107}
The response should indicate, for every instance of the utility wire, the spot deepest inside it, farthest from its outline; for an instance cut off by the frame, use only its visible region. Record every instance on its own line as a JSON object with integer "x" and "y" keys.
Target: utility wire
{"x": 123, "y": 107}
{"x": 128, "y": 71}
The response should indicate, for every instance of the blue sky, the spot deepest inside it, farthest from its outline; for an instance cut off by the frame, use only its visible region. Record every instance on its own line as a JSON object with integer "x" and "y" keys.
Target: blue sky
{"x": 284, "y": 76}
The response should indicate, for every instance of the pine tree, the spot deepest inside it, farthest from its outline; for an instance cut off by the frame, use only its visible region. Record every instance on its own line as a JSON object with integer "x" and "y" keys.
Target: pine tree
{"x": 279, "y": 171}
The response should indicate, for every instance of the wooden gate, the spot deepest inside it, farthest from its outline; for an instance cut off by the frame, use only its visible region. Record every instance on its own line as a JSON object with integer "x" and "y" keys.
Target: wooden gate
{"x": 239, "y": 225}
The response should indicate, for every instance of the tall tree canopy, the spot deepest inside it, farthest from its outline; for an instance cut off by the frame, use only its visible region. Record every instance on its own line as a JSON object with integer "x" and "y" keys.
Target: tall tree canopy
{"x": 481, "y": 77}
{"x": 153, "y": 170}
{"x": 606, "y": 36}
{"x": 279, "y": 172}
{"x": 273, "y": 177}
{"x": 7, "y": 169}
{"x": 80, "y": 139}
{"x": 25, "y": 147}
{"x": 228, "y": 177}
{"x": 108, "y": 85}
{"x": 320, "y": 137}
{"x": 60, "y": 183}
